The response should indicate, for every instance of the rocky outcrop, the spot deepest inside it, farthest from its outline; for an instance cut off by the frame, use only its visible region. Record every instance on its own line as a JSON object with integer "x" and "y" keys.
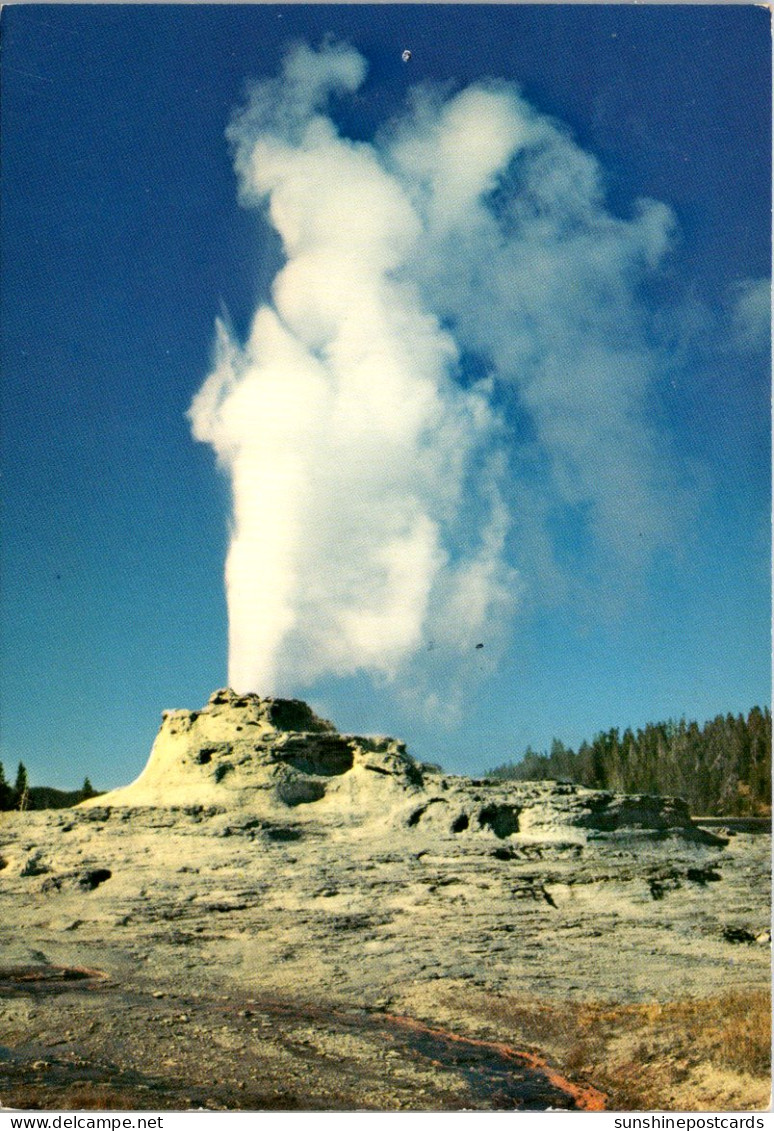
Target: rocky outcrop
{"x": 269, "y": 755}
{"x": 244, "y": 751}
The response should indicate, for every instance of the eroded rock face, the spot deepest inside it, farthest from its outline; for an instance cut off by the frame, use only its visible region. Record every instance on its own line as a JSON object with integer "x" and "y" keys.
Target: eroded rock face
{"x": 244, "y": 752}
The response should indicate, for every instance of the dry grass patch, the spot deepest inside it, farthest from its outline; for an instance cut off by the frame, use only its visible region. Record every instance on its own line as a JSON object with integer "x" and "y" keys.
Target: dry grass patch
{"x": 700, "y": 1055}
{"x": 731, "y": 1031}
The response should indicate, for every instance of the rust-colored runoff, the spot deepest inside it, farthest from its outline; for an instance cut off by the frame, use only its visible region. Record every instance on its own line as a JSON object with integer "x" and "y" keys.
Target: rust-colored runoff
{"x": 584, "y": 1097}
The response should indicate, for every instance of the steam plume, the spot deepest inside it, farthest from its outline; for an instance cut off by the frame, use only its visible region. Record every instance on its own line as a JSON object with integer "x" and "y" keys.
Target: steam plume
{"x": 452, "y": 353}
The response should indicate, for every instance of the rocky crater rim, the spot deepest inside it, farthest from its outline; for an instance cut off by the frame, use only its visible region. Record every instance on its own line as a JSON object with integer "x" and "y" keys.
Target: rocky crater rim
{"x": 273, "y": 712}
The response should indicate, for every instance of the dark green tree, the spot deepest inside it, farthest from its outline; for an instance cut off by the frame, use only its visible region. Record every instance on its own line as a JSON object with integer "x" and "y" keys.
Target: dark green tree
{"x": 6, "y": 793}
{"x": 21, "y": 787}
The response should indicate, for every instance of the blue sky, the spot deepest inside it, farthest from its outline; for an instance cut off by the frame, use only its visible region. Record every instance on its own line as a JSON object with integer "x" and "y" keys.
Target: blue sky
{"x": 123, "y": 239}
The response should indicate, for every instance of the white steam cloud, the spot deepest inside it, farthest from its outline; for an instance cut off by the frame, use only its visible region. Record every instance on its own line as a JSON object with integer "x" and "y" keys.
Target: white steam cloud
{"x": 752, "y": 313}
{"x": 453, "y": 358}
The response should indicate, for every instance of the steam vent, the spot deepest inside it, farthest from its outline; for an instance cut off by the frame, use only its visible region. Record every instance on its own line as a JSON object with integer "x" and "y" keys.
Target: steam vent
{"x": 243, "y": 752}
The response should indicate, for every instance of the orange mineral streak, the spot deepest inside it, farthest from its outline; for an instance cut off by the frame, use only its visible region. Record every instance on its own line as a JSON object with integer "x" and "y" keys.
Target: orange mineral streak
{"x": 585, "y": 1097}
{"x": 47, "y": 974}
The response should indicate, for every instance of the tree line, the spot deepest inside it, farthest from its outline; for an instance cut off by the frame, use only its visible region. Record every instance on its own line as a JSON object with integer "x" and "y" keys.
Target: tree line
{"x": 722, "y": 768}
{"x": 21, "y": 795}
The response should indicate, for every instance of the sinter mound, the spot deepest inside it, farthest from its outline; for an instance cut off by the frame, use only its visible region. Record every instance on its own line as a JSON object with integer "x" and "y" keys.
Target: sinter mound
{"x": 296, "y": 918}
{"x": 270, "y": 755}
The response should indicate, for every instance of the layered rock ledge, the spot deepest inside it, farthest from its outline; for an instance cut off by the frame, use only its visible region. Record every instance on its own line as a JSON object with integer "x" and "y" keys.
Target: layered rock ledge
{"x": 271, "y": 755}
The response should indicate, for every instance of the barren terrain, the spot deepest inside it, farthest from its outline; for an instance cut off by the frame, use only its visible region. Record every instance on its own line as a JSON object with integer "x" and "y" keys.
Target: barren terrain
{"x": 278, "y": 916}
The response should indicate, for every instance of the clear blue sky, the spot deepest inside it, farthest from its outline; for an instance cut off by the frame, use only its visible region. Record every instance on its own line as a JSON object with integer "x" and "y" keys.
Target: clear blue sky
{"x": 122, "y": 241}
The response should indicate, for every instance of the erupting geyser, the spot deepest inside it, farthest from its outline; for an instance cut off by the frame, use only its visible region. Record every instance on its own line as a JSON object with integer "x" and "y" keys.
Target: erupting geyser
{"x": 382, "y": 485}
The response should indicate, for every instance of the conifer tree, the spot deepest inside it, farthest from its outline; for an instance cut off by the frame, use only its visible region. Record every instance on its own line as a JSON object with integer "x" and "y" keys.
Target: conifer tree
{"x": 6, "y": 793}
{"x": 21, "y": 787}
